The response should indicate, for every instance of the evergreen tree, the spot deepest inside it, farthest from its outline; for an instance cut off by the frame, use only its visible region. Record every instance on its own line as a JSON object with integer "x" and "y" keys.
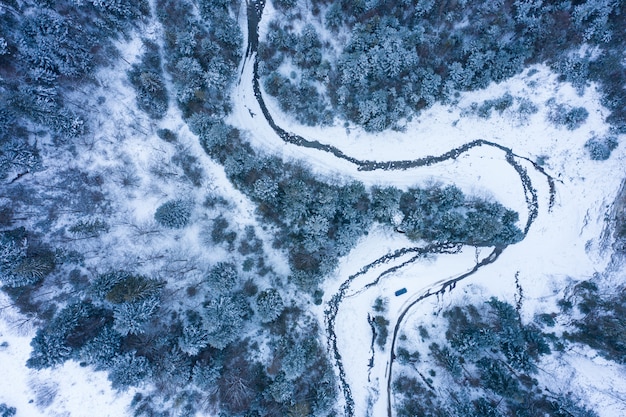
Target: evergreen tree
{"x": 194, "y": 337}
{"x": 147, "y": 79}
{"x": 52, "y": 345}
{"x": 102, "y": 349}
{"x": 269, "y": 305}
{"x": 12, "y": 254}
{"x": 205, "y": 376}
{"x": 132, "y": 317}
{"x": 223, "y": 320}
{"x": 174, "y": 214}
{"x": 223, "y": 277}
{"x": 128, "y": 370}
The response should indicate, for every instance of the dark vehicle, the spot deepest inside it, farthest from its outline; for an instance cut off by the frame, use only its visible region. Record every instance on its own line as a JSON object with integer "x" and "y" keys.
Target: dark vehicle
{"x": 400, "y": 292}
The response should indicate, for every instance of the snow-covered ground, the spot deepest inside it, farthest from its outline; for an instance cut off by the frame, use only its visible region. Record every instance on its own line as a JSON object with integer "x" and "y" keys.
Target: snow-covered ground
{"x": 562, "y": 244}
{"x": 68, "y": 390}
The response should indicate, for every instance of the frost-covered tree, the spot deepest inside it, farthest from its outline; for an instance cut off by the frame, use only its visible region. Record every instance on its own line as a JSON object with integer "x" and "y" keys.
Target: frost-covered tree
{"x": 132, "y": 317}
{"x": 147, "y": 78}
{"x": 102, "y": 349}
{"x": 129, "y": 369}
{"x": 53, "y": 42}
{"x": 281, "y": 390}
{"x": 223, "y": 277}
{"x": 12, "y": 254}
{"x": 173, "y": 370}
{"x": 194, "y": 337}
{"x": 223, "y": 319}
{"x": 205, "y": 376}
{"x": 297, "y": 356}
{"x": 118, "y": 287}
{"x": 269, "y": 305}
{"x": 20, "y": 265}
{"x": 174, "y": 214}
{"x": 190, "y": 77}
{"x": 266, "y": 189}
{"x": 593, "y": 17}
{"x": 18, "y": 156}
{"x": 54, "y": 344}
{"x": 89, "y": 228}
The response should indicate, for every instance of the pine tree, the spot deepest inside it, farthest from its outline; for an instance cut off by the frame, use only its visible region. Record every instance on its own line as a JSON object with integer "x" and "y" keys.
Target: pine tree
{"x": 223, "y": 320}
{"x": 102, "y": 349}
{"x": 194, "y": 337}
{"x": 129, "y": 370}
{"x": 174, "y": 214}
{"x": 132, "y": 317}
{"x": 223, "y": 277}
{"x": 205, "y": 376}
{"x": 269, "y": 305}
{"x": 51, "y": 344}
{"x": 12, "y": 254}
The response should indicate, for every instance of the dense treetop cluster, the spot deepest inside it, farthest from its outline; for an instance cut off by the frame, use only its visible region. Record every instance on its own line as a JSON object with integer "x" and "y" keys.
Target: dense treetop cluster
{"x": 402, "y": 56}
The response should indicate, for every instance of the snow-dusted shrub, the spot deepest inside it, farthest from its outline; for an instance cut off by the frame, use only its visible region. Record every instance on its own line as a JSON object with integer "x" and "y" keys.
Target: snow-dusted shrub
{"x": 525, "y": 109}
{"x": 221, "y": 232}
{"x": 174, "y": 214}
{"x": 250, "y": 243}
{"x": 600, "y": 148}
{"x": 499, "y": 104}
{"x": 563, "y": 115}
{"x": 7, "y": 411}
{"x": 45, "y": 392}
{"x": 167, "y": 135}
{"x": 190, "y": 166}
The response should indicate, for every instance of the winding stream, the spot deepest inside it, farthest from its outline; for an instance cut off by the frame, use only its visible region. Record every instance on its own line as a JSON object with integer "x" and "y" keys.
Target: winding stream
{"x": 254, "y": 13}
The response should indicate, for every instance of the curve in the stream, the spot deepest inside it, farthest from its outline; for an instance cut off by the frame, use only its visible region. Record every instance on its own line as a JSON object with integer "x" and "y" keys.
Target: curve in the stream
{"x": 254, "y": 13}
{"x": 493, "y": 256}
{"x": 331, "y": 311}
